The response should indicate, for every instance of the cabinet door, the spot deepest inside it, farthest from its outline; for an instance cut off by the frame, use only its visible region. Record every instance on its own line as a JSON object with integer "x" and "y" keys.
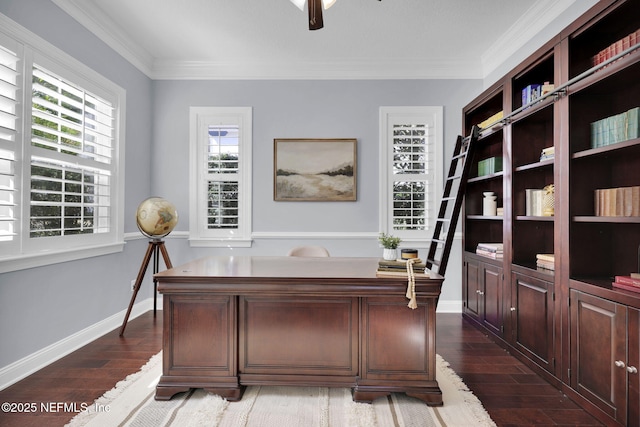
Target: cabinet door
{"x": 492, "y": 298}
{"x": 533, "y": 319}
{"x": 472, "y": 288}
{"x": 633, "y": 366}
{"x": 598, "y": 352}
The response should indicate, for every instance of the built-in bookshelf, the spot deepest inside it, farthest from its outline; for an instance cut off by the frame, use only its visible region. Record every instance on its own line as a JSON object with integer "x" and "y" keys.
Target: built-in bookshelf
{"x": 576, "y": 143}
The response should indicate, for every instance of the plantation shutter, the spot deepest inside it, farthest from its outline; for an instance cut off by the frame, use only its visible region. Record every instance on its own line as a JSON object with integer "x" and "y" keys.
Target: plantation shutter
{"x": 411, "y": 141}
{"x": 223, "y": 154}
{"x": 72, "y": 141}
{"x": 9, "y": 89}
{"x": 413, "y": 176}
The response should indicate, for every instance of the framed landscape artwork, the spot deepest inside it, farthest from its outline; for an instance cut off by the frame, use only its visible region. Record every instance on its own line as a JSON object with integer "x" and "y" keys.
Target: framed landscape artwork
{"x": 314, "y": 169}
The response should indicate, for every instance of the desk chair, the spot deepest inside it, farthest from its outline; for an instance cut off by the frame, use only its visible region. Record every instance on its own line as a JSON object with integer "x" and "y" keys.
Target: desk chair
{"x": 309, "y": 251}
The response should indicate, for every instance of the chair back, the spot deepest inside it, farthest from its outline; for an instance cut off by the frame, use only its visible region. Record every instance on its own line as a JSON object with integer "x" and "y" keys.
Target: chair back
{"x": 309, "y": 251}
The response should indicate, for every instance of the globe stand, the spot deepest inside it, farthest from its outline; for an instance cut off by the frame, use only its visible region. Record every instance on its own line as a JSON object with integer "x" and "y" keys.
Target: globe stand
{"x": 156, "y": 246}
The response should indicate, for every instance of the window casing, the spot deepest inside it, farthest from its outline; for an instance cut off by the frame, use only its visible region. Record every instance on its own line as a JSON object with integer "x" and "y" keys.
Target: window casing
{"x": 411, "y": 141}
{"x": 220, "y": 181}
{"x": 61, "y": 141}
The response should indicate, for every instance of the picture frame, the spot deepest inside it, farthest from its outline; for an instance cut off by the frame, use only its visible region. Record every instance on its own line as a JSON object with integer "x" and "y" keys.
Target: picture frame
{"x": 307, "y": 169}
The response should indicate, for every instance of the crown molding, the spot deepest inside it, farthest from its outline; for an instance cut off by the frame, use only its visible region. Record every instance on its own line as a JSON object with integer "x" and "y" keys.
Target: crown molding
{"x": 541, "y": 14}
{"x": 524, "y": 29}
{"x": 94, "y": 20}
{"x": 360, "y": 69}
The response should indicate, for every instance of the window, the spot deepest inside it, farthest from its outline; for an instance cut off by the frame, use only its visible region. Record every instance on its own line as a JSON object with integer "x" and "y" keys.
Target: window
{"x": 60, "y": 145}
{"x": 411, "y": 141}
{"x": 220, "y": 205}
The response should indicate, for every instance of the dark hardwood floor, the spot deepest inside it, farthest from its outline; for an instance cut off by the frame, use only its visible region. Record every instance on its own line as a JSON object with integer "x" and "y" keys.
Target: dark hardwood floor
{"x": 512, "y": 394}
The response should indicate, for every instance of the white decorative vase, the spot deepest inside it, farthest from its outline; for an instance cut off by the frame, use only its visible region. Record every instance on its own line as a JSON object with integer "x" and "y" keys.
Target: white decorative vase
{"x": 489, "y": 204}
{"x": 390, "y": 254}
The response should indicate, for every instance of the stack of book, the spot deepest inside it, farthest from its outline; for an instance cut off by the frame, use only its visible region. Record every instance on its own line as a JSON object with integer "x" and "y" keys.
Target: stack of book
{"x": 629, "y": 283}
{"x": 491, "y": 120}
{"x": 616, "y": 48}
{"x": 535, "y": 91}
{"x": 491, "y": 250}
{"x": 620, "y": 201}
{"x": 618, "y": 128}
{"x": 548, "y": 153}
{"x": 399, "y": 266}
{"x": 545, "y": 261}
{"x": 489, "y": 166}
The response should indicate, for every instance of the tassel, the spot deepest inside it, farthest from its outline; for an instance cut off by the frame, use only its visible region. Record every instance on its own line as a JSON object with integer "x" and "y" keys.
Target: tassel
{"x": 411, "y": 285}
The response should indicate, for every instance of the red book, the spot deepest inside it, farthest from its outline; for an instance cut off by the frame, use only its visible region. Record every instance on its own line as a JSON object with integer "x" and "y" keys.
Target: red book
{"x": 626, "y": 287}
{"x": 628, "y": 280}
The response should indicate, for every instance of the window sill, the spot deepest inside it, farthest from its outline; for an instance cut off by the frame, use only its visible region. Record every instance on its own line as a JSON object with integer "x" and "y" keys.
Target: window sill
{"x": 220, "y": 243}
{"x": 40, "y": 259}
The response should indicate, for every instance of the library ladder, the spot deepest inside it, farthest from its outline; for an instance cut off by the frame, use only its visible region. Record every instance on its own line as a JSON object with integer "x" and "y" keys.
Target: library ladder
{"x": 451, "y": 202}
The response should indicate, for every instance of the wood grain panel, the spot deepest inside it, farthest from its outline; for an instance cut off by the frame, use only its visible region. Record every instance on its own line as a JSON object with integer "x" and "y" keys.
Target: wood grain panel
{"x": 316, "y": 335}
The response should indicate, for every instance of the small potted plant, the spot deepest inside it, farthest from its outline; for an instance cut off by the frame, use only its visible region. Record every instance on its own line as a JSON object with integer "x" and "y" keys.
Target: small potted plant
{"x": 390, "y": 244}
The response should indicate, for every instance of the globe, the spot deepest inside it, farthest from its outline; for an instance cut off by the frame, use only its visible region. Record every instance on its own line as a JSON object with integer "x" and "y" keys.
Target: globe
{"x": 156, "y": 217}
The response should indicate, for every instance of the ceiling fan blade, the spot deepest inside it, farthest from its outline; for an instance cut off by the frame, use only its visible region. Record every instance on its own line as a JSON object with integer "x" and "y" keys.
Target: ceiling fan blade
{"x": 315, "y": 14}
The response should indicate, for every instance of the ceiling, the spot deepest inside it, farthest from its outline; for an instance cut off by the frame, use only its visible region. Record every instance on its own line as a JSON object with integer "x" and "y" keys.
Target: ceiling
{"x": 270, "y": 39}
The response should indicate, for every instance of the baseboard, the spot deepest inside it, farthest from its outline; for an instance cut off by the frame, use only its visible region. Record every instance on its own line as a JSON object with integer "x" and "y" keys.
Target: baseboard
{"x": 449, "y": 307}
{"x": 24, "y": 367}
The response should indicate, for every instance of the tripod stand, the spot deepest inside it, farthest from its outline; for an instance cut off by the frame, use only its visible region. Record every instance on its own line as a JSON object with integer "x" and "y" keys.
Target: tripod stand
{"x": 153, "y": 250}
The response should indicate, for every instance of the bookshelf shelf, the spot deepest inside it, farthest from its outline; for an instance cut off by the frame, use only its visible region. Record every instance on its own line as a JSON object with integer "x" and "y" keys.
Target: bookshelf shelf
{"x": 485, "y": 218}
{"x": 541, "y": 164}
{"x": 608, "y": 219}
{"x": 489, "y": 177}
{"x": 613, "y": 148}
{"x": 590, "y": 89}
{"x": 535, "y": 218}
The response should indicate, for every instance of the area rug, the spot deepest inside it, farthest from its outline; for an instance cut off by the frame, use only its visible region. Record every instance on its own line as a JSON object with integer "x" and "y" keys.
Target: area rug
{"x": 131, "y": 403}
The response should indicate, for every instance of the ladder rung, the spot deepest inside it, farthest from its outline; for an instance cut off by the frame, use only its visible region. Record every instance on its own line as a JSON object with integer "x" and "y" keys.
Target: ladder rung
{"x": 446, "y": 199}
{"x": 433, "y": 261}
{"x": 438, "y": 241}
{"x": 459, "y": 156}
{"x": 443, "y": 219}
{"x": 451, "y": 178}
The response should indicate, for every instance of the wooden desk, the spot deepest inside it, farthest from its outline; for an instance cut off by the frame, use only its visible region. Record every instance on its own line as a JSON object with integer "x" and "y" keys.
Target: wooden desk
{"x": 236, "y": 321}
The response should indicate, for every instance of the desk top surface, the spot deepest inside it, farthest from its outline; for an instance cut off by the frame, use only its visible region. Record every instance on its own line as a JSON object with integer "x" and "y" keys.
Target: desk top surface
{"x": 237, "y": 267}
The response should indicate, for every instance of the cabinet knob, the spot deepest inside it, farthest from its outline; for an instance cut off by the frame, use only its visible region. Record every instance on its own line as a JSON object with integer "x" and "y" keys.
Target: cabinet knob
{"x": 480, "y": 293}
{"x": 619, "y": 363}
{"x": 632, "y": 369}
{"x": 513, "y": 309}
{"x": 477, "y": 291}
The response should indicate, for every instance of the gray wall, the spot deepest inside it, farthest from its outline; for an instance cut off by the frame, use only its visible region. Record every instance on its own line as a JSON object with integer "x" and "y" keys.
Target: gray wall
{"x": 41, "y": 306}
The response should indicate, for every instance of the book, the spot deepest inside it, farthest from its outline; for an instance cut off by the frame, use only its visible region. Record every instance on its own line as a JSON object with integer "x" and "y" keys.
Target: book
{"x": 400, "y": 263}
{"x": 545, "y": 264}
{"x": 619, "y": 201}
{"x": 546, "y": 257}
{"x": 485, "y": 123}
{"x": 488, "y": 254}
{"x": 491, "y": 247}
{"x": 531, "y": 93}
{"x": 617, "y": 128}
{"x": 533, "y": 201}
{"x": 628, "y": 280}
{"x": 626, "y": 287}
{"x": 615, "y": 48}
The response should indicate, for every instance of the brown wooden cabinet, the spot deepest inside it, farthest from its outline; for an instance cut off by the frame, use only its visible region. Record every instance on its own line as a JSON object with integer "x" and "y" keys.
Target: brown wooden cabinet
{"x": 533, "y": 319}
{"x": 529, "y": 310}
{"x": 604, "y": 355}
{"x": 483, "y": 293}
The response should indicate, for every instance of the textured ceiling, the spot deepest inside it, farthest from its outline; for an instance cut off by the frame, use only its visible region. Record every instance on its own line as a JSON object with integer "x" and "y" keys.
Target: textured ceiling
{"x": 258, "y": 39}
